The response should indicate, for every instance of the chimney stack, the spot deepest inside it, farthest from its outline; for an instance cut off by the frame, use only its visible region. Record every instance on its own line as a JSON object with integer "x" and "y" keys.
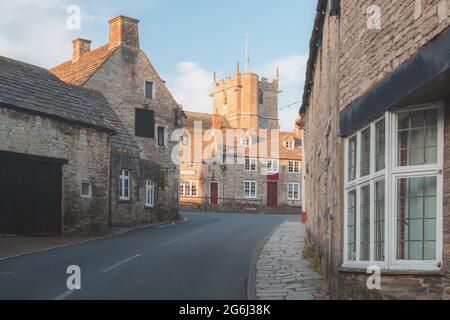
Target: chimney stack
{"x": 79, "y": 48}
{"x": 123, "y": 31}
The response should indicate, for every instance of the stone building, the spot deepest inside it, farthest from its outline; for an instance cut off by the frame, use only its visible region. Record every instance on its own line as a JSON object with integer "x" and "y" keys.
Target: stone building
{"x": 232, "y": 172}
{"x": 376, "y": 157}
{"x": 54, "y": 153}
{"x": 144, "y": 180}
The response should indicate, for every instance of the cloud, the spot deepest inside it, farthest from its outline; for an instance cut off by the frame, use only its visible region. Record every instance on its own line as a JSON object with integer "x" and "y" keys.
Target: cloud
{"x": 292, "y": 78}
{"x": 191, "y": 86}
{"x": 35, "y": 31}
{"x": 292, "y": 69}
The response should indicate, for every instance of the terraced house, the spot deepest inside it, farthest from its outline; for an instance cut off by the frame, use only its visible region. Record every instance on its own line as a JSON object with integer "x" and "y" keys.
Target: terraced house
{"x": 264, "y": 173}
{"x": 144, "y": 180}
{"x": 87, "y": 143}
{"x": 376, "y": 114}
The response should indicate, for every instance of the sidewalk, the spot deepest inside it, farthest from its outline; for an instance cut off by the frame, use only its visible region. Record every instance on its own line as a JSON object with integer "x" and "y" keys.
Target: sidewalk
{"x": 281, "y": 271}
{"x": 14, "y": 246}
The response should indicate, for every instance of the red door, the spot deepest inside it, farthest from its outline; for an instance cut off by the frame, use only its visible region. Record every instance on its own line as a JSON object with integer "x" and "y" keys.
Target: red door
{"x": 214, "y": 190}
{"x": 272, "y": 194}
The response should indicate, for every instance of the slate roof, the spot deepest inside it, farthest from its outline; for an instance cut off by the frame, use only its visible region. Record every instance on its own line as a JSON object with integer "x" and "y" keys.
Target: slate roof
{"x": 34, "y": 89}
{"x": 80, "y": 72}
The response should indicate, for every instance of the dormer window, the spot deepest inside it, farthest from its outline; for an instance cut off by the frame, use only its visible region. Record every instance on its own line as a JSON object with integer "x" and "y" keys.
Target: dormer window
{"x": 289, "y": 144}
{"x": 149, "y": 90}
{"x": 246, "y": 141}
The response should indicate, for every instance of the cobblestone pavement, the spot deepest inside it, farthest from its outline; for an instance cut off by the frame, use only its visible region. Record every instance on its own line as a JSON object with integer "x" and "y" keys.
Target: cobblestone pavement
{"x": 281, "y": 271}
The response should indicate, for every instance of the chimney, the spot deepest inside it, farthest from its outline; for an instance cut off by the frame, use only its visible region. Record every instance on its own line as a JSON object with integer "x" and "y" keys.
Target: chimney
{"x": 216, "y": 121}
{"x": 79, "y": 48}
{"x": 123, "y": 31}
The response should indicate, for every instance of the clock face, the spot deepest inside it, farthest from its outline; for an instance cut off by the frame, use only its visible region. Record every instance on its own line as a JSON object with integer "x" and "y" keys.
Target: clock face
{"x": 263, "y": 123}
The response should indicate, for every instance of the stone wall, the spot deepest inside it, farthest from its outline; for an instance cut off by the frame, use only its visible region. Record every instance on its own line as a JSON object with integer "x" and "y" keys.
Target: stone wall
{"x": 121, "y": 80}
{"x": 323, "y": 158}
{"x": 367, "y": 56}
{"x": 87, "y": 152}
{"x": 351, "y": 60}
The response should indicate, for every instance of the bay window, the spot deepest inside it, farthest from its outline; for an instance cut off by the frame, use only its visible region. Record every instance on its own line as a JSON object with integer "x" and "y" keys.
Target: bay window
{"x": 393, "y": 191}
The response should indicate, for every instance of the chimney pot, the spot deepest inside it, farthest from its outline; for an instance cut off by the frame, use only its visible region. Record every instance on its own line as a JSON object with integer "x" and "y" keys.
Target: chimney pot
{"x": 79, "y": 48}
{"x": 123, "y": 31}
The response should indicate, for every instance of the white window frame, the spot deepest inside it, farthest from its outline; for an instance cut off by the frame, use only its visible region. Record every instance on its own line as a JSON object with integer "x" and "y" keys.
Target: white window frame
{"x": 294, "y": 185}
{"x": 294, "y": 166}
{"x": 390, "y": 175}
{"x": 150, "y": 194}
{"x": 246, "y": 141}
{"x": 250, "y": 164}
{"x": 289, "y": 144}
{"x": 250, "y": 184}
{"x": 189, "y": 184}
{"x": 125, "y": 175}
{"x": 89, "y": 196}
{"x": 273, "y": 166}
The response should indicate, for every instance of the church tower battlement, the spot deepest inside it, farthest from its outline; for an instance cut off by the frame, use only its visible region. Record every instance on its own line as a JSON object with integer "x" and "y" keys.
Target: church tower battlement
{"x": 247, "y": 101}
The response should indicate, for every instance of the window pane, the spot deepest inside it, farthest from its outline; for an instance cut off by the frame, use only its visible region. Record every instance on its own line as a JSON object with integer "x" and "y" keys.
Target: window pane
{"x": 161, "y": 136}
{"x": 365, "y": 153}
{"x": 352, "y": 159}
{"x": 351, "y": 226}
{"x": 149, "y": 89}
{"x": 365, "y": 224}
{"x": 417, "y": 138}
{"x": 380, "y": 147}
{"x": 379, "y": 220}
{"x": 416, "y": 218}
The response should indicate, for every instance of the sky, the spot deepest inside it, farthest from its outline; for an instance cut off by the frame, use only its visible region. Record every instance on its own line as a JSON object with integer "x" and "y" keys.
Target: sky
{"x": 186, "y": 40}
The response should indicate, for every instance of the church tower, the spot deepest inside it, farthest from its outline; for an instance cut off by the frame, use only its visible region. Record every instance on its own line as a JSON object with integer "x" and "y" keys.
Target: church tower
{"x": 246, "y": 101}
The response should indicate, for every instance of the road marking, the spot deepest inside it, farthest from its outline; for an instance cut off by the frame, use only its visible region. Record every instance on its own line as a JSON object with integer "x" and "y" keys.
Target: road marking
{"x": 121, "y": 263}
{"x": 207, "y": 228}
{"x": 166, "y": 225}
{"x": 166, "y": 244}
{"x": 64, "y": 295}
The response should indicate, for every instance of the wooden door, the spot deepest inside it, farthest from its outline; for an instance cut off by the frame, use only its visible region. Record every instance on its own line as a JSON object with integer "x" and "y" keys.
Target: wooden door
{"x": 30, "y": 201}
{"x": 272, "y": 194}
{"x": 214, "y": 192}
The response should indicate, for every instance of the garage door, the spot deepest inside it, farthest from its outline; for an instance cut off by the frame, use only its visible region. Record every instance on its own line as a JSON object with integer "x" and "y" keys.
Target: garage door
{"x": 30, "y": 195}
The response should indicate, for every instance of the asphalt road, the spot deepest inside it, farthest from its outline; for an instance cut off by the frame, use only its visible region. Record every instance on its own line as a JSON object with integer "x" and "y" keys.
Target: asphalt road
{"x": 206, "y": 257}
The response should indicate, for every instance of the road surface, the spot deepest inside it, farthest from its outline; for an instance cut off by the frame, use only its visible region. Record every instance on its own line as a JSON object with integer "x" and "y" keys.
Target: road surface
{"x": 205, "y": 257}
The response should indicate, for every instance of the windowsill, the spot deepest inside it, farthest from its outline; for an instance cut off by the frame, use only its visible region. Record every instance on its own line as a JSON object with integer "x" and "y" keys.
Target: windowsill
{"x": 125, "y": 201}
{"x": 437, "y": 273}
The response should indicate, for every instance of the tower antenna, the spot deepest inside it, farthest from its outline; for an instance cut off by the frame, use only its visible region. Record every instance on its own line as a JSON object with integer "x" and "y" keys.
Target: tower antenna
{"x": 247, "y": 56}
